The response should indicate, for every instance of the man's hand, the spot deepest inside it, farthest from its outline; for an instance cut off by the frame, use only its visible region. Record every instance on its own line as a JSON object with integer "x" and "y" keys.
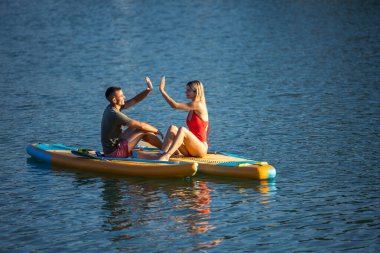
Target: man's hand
{"x": 162, "y": 85}
{"x": 149, "y": 84}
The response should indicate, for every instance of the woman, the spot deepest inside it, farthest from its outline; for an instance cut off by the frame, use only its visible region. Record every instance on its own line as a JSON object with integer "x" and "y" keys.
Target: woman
{"x": 192, "y": 141}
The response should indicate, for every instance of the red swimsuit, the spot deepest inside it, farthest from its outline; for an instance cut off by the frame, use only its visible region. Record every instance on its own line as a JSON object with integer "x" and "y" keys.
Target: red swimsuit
{"x": 197, "y": 126}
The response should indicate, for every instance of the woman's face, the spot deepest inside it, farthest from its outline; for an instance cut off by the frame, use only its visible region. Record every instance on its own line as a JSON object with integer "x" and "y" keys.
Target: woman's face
{"x": 190, "y": 93}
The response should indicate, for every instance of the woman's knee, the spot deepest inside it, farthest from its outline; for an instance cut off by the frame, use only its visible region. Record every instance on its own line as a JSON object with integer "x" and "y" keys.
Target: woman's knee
{"x": 182, "y": 131}
{"x": 173, "y": 129}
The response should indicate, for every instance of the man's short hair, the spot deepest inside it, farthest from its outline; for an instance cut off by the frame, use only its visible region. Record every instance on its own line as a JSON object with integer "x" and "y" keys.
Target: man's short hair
{"x": 111, "y": 91}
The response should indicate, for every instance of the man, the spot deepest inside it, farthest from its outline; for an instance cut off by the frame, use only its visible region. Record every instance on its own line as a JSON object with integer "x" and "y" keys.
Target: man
{"x": 115, "y": 141}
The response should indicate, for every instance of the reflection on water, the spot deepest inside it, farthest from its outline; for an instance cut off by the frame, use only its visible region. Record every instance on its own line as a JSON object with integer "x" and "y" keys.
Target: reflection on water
{"x": 197, "y": 199}
{"x": 267, "y": 189}
{"x": 183, "y": 207}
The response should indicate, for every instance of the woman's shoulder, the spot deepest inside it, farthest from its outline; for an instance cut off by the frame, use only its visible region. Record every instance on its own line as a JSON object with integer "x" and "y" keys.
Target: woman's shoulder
{"x": 199, "y": 104}
{"x": 202, "y": 111}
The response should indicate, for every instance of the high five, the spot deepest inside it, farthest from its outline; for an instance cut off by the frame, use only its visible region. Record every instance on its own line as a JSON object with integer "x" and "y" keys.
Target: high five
{"x": 192, "y": 141}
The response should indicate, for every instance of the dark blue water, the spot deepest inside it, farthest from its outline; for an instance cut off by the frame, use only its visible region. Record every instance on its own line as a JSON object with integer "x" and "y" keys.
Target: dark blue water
{"x": 294, "y": 83}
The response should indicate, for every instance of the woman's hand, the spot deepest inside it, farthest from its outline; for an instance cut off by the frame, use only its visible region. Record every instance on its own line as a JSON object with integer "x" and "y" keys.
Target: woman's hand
{"x": 162, "y": 85}
{"x": 149, "y": 84}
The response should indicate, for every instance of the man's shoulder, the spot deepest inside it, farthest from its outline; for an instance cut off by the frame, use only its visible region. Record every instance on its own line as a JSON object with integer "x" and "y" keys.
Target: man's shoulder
{"x": 110, "y": 109}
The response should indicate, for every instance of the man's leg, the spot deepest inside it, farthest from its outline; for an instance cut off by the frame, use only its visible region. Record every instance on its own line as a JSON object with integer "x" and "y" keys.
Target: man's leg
{"x": 146, "y": 136}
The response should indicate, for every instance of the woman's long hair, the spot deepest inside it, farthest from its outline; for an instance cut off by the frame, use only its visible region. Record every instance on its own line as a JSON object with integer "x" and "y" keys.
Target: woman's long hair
{"x": 197, "y": 87}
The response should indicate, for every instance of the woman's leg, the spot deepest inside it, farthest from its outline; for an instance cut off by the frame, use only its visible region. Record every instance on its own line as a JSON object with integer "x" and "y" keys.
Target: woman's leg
{"x": 168, "y": 140}
{"x": 193, "y": 145}
{"x": 169, "y": 137}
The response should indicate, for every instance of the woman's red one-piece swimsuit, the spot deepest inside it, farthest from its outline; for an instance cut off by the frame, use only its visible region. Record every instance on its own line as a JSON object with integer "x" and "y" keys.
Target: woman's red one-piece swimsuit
{"x": 197, "y": 126}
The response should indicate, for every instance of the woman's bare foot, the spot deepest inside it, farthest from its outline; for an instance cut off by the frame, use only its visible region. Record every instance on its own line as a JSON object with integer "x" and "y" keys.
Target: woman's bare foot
{"x": 177, "y": 152}
{"x": 164, "y": 157}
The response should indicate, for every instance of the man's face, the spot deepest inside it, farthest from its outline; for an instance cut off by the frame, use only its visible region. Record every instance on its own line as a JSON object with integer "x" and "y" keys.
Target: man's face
{"x": 119, "y": 98}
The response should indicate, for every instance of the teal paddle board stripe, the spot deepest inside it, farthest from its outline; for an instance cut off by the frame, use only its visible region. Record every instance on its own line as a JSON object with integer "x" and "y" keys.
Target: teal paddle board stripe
{"x": 38, "y": 154}
{"x": 146, "y": 148}
{"x": 63, "y": 147}
{"x": 234, "y": 164}
{"x": 271, "y": 173}
{"x": 232, "y": 155}
{"x": 54, "y": 147}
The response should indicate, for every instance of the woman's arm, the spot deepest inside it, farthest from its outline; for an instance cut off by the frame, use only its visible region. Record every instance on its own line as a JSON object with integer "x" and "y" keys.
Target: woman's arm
{"x": 173, "y": 103}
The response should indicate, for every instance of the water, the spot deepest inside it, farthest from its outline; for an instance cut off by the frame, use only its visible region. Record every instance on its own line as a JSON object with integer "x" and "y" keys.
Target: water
{"x": 294, "y": 83}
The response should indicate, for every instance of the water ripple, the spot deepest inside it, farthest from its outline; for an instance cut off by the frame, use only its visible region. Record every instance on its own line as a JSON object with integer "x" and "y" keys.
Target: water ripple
{"x": 295, "y": 84}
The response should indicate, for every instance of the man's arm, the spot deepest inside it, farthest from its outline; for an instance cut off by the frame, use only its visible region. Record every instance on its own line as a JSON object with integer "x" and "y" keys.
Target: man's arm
{"x": 144, "y": 126}
{"x": 139, "y": 97}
